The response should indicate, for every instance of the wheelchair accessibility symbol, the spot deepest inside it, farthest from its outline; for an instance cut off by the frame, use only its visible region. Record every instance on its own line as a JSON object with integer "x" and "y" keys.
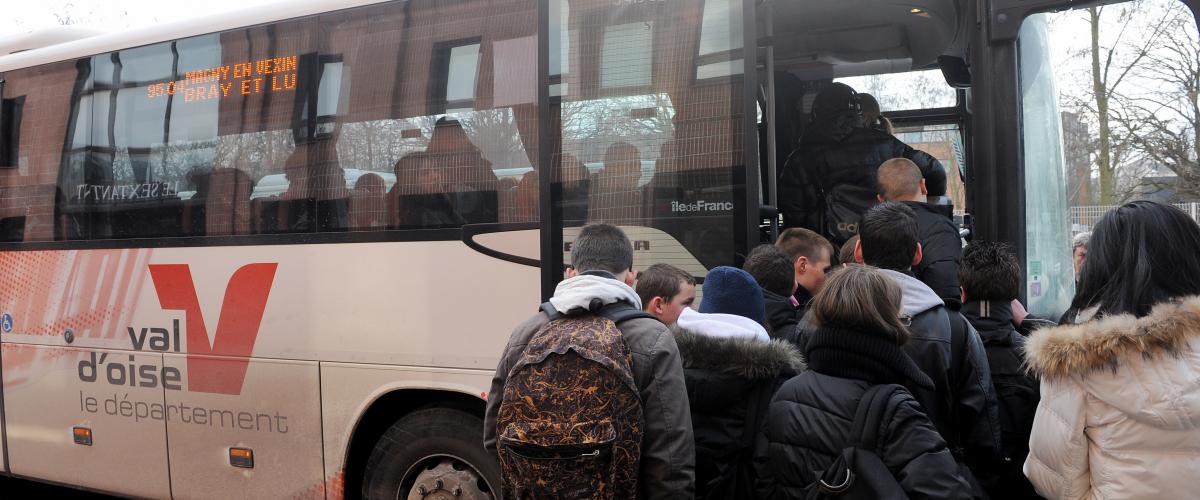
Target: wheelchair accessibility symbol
{"x": 6, "y": 323}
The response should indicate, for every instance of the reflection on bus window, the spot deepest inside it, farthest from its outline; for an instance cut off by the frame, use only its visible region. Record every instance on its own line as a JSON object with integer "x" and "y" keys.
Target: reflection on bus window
{"x": 1107, "y": 120}
{"x": 650, "y": 139}
{"x": 904, "y": 91}
{"x": 292, "y": 127}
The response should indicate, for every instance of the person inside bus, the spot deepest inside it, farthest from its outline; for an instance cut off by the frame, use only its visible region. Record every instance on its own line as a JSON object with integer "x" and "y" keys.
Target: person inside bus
{"x": 773, "y": 270}
{"x": 575, "y": 181}
{"x": 602, "y": 257}
{"x": 828, "y": 182}
{"x": 615, "y": 195}
{"x": 944, "y": 345}
{"x": 873, "y": 116}
{"x": 316, "y": 197}
{"x": 665, "y": 291}
{"x": 732, "y": 368}
{"x": 292, "y": 207}
{"x": 1120, "y": 410}
{"x": 858, "y": 343}
{"x": 419, "y": 198}
{"x": 467, "y": 176}
{"x": 368, "y": 202}
{"x": 899, "y": 180}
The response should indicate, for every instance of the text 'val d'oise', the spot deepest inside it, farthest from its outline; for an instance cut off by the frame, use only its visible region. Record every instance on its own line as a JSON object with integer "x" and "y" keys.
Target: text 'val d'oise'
{"x": 273, "y": 74}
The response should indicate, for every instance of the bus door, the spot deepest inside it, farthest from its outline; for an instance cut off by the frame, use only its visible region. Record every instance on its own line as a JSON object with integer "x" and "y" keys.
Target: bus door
{"x": 652, "y": 120}
{"x": 894, "y": 53}
{"x": 1077, "y": 107}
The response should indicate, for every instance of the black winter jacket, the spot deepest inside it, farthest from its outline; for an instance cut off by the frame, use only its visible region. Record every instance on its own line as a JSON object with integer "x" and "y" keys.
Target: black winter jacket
{"x": 1017, "y": 393}
{"x": 729, "y": 384}
{"x": 829, "y": 182}
{"x": 962, "y": 404}
{"x": 810, "y": 419}
{"x": 782, "y": 316}
{"x": 941, "y": 249}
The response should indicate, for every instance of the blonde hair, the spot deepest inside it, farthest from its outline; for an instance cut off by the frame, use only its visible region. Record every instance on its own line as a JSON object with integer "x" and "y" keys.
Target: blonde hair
{"x": 859, "y": 297}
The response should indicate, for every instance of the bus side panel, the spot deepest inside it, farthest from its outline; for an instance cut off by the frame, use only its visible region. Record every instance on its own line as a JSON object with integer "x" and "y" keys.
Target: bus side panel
{"x": 275, "y": 413}
{"x": 50, "y": 390}
{"x": 347, "y": 390}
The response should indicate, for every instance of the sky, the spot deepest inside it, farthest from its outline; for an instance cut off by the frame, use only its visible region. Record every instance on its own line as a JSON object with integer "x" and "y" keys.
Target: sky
{"x": 107, "y": 15}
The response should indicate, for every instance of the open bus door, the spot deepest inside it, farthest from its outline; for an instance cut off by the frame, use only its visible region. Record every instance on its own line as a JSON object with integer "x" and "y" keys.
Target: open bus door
{"x": 1003, "y": 122}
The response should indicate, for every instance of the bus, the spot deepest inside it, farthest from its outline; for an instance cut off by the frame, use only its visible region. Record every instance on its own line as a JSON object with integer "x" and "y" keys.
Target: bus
{"x": 277, "y": 253}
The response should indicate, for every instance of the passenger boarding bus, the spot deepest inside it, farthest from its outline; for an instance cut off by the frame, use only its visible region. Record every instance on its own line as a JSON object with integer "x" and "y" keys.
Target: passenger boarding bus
{"x": 276, "y": 253}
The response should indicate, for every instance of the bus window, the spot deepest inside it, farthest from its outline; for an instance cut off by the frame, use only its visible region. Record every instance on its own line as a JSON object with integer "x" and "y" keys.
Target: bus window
{"x": 905, "y": 91}
{"x": 31, "y": 166}
{"x": 1108, "y": 117}
{"x": 297, "y": 126}
{"x": 649, "y": 139}
{"x": 945, "y": 143}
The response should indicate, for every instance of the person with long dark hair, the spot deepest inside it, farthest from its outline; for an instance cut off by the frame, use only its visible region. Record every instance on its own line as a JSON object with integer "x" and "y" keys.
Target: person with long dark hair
{"x": 1120, "y": 409}
{"x": 856, "y": 345}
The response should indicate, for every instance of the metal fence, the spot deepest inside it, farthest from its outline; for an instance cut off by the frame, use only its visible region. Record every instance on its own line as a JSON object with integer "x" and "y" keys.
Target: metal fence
{"x": 1083, "y": 218}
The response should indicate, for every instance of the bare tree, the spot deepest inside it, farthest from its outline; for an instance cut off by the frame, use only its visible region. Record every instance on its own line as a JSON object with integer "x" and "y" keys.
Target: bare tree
{"x": 1110, "y": 67}
{"x": 1163, "y": 119}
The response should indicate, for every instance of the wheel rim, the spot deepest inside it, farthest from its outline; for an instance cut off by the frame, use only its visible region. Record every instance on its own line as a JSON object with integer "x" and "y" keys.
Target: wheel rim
{"x": 444, "y": 477}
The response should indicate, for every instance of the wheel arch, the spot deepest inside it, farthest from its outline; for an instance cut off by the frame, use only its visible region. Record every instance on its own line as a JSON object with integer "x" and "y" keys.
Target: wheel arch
{"x": 385, "y": 410}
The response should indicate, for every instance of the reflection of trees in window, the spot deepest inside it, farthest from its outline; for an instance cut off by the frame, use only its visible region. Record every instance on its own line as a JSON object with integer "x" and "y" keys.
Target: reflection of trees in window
{"x": 376, "y": 145}
{"x": 911, "y": 90}
{"x": 645, "y": 121}
{"x": 494, "y": 132}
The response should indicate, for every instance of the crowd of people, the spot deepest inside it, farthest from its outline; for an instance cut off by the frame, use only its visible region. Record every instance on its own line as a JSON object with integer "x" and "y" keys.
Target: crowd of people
{"x": 896, "y": 364}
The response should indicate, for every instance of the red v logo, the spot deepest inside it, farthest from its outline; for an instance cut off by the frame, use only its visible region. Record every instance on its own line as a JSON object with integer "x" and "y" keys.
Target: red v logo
{"x": 237, "y": 328}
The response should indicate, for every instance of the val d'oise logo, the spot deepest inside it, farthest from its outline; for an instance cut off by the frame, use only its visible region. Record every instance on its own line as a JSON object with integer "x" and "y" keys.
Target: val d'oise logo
{"x": 236, "y": 329}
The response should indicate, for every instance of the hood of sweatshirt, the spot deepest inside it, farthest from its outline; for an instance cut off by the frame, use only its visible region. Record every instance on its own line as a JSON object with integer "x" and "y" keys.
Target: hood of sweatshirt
{"x": 918, "y": 297}
{"x": 716, "y": 325}
{"x": 588, "y": 292}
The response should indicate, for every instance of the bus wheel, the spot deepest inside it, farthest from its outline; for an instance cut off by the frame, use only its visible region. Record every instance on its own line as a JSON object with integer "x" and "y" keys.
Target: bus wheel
{"x": 432, "y": 454}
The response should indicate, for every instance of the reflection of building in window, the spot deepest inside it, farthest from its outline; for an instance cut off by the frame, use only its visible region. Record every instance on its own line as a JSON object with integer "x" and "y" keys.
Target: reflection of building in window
{"x": 719, "y": 52}
{"x": 455, "y": 68}
{"x": 627, "y": 55}
{"x": 320, "y": 96}
{"x": 10, "y": 130}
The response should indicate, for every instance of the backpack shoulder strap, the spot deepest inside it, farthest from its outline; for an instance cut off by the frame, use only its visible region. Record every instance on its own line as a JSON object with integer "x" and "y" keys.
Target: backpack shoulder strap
{"x": 619, "y": 312}
{"x": 869, "y": 415}
{"x": 616, "y": 312}
{"x": 550, "y": 311}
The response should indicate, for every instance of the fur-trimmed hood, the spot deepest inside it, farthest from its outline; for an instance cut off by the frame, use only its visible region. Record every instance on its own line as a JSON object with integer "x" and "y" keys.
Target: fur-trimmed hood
{"x": 743, "y": 357}
{"x": 1102, "y": 344}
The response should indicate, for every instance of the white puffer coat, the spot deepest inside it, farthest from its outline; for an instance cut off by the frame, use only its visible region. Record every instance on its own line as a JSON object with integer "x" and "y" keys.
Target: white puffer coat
{"x": 1120, "y": 409}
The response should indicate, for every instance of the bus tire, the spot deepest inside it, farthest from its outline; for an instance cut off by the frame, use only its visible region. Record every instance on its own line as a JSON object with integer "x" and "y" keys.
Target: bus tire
{"x": 432, "y": 450}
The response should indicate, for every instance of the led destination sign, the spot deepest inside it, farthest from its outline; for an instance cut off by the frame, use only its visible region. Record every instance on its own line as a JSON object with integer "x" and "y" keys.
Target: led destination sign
{"x": 275, "y": 74}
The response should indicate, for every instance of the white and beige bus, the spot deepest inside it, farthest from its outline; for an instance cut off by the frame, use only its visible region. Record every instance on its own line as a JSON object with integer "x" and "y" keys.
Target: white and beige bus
{"x": 275, "y": 254}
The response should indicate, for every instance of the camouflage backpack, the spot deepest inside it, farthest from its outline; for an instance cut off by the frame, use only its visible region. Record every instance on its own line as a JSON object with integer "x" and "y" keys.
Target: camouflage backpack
{"x": 570, "y": 421}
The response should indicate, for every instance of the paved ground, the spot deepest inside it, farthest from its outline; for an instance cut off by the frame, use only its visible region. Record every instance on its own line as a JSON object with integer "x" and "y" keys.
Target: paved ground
{"x": 19, "y": 489}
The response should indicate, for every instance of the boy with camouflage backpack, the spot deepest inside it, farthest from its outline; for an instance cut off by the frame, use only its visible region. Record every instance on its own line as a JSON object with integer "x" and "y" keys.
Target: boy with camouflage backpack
{"x": 588, "y": 400}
